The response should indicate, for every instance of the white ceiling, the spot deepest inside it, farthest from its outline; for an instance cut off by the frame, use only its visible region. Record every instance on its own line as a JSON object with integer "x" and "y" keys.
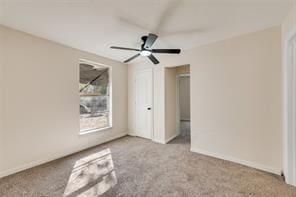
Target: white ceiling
{"x": 95, "y": 25}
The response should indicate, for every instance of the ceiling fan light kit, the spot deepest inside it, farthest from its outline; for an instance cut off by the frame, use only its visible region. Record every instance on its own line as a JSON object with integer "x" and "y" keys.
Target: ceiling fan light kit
{"x": 145, "y": 53}
{"x": 146, "y": 50}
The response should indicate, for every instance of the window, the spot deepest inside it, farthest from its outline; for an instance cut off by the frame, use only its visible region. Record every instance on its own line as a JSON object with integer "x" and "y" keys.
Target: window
{"x": 94, "y": 91}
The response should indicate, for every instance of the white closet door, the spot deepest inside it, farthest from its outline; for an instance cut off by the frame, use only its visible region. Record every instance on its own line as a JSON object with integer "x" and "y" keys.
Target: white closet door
{"x": 143, "y": 103}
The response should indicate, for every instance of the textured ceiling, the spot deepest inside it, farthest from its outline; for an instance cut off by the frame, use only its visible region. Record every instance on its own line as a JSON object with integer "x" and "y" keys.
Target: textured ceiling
{"x": 95, "y": 25}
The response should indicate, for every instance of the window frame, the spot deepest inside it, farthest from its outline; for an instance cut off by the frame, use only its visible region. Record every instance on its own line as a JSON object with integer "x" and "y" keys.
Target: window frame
{"x": 96, "y": 64}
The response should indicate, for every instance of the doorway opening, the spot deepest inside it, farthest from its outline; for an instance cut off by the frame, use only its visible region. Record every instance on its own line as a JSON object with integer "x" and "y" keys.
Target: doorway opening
{"x": 177, "y": 104}
{"x": 183, "y": 105}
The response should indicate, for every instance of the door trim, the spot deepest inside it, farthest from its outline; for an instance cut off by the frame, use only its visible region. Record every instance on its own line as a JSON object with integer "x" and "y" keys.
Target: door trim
{"x": 152, "y": 101}
{"x": 289, "y": 113}
{"x": 178, "y": 99}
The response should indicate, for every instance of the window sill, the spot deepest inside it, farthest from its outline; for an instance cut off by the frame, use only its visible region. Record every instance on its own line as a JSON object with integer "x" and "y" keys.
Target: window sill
{"x": 94, "y": 130}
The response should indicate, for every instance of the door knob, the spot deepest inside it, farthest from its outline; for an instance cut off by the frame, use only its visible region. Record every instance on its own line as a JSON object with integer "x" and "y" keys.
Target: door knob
{"x": 149, "y": 108}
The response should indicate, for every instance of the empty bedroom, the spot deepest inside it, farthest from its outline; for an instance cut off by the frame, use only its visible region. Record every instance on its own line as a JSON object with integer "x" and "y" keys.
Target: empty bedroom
{"x": 144, "y": 98}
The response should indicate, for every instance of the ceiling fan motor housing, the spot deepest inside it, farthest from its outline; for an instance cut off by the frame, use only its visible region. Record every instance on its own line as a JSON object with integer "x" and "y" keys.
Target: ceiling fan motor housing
{"x": 146, "y": 49}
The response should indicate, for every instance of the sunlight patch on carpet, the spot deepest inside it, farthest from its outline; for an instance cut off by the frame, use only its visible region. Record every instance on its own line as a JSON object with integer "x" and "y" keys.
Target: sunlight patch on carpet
{"x": 92, "y": 175}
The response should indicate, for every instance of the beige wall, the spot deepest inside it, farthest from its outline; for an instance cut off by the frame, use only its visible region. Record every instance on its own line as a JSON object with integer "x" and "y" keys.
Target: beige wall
{"x": 183, "y": 69}
{"x": 41, "y": 101}
{"x": 170, "y": 103}
{"x": 159, "y": 104}
{"x": 1, "y": 98}
{"x": 236, "y": 98}
{"x": 236, "y": 94}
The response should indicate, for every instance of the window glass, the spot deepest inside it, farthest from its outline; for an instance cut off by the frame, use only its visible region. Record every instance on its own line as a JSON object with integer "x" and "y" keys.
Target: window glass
{"x": 94, "y": 91}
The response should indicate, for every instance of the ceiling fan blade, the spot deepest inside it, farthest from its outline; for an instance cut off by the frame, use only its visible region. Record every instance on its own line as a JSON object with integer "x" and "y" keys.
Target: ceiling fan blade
{"x": 124, "y": 48}
{"x": 153, "y": 59}
{"x": 150, "y": 40}
{"x": 174, "y": 51}
{"x": 130, "y": 59}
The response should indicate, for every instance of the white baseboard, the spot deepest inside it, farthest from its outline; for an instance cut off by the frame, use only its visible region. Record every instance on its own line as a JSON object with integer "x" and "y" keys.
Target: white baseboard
{"x": 166, "y": 140}
{"x": 158, "y": 141}
{"x": 171, "y": 138}
{"x": 239, "y": 161}
{"x": 132, "y": 133}
{"x": 46, "y": 160}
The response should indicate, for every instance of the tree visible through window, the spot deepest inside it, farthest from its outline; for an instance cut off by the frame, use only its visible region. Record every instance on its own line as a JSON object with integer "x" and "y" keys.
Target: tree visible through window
{"x": 94, "y": 91}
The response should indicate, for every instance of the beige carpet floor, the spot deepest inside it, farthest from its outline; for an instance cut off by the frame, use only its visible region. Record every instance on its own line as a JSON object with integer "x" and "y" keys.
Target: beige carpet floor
{"x": 132, "y": 166}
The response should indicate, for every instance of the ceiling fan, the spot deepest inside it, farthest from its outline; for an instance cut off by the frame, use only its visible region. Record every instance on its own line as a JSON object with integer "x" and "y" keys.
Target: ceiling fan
{"x": 146, "y": 49}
